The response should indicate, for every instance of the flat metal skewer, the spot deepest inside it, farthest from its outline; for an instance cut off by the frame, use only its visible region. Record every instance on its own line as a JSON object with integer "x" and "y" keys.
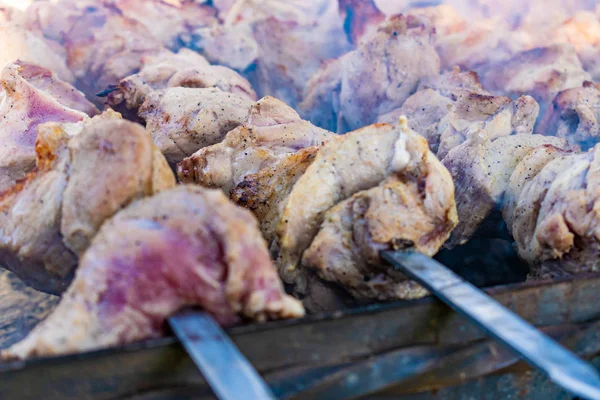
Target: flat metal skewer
{"x": 226, "y": 370}
{"x": 562, "y": 366}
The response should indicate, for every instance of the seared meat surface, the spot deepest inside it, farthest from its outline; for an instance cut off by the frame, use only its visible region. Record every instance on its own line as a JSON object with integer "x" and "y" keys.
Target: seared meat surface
{"x": 19, "y": 44}
{"x": 32, "y": 95}
{"x": 374, "y": 79}
{"x": 552, "y": 212}
{"x": 272, "y": 131}
{"x": 411, "y": 208}
{"x": 447, "y": 109}
{"x": 183, "y": 247}
{"x": 340, "y": 198}
{"x": 166, "y": 70}
{"x": 85, "y": 172}
{"x": 575, "y": 116}
{"x": 183, "y": 120}
{"x": 481, "y": 169}
{"x": 540, "y": 72}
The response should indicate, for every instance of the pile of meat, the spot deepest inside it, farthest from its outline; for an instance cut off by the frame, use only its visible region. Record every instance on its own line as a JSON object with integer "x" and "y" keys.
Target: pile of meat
{"x": 235, "y": 154}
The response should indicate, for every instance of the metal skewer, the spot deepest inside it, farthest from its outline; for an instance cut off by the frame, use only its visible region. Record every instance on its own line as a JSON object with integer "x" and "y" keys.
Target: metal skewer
{"x": 226, "y": 370}
{"x": 562, "y": 366}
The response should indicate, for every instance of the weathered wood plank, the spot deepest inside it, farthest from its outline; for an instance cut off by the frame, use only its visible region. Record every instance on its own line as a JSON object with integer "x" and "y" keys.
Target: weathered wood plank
{"x": 317, "y": 341}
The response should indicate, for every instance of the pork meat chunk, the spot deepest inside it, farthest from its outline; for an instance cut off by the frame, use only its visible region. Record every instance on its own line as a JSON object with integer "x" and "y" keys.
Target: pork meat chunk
{"x": 272, "y": 131}
{"x": 541, "y": 72}
{"x": 32, "y": 95}
{"x": 374, "y": 79}
{"x": 481, "y": 169}
{"x": 184, "y": 247}
{"x": 185, "y": 68}
{"x": 448, "y": 108}
{"x": 554, "y": 213}
{"x": 413, "y": 208}
{"x": 354, "y": 176}
{"x": 183, "y": 120}
{"x": 85, "y": 172}
{"x": 575, "y": 116}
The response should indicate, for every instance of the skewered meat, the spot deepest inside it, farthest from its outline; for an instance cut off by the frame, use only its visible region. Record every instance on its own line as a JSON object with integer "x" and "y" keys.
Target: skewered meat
{"x": 283, "y": 68}
{"x": 360, "y": 17}
{"x": 347, "y": 194}
{"x": 541, "y": 73}
{"x": 448, "y": 108}
{"x": 470, "y": 42}
{"x": 85, "y": 172}
{"x": 231, "y": 46}
{"x": 273, "y": 131}
{"x": 185, "y": 69}
{"x": 374, "y": 79}
{"x": 17, "y": 43}
{"x": 554, "y": 212}
{"x": 32, "y": 95}
{"x": 575, "y": 116}
{"x": 184, "y": 120}
{"x": 481, "y": 169}
{"x": 412, "y": 207}
{"x": 103, "y": 46}
{"x": 264, "y": 192}
{"x": 184, "y": 247}
{"x": 167, "y": 20}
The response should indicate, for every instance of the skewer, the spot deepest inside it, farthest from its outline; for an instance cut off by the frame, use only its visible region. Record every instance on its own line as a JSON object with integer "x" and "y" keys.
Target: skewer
{"x": 562, "y": 366}
{"x": 225, "y": 369}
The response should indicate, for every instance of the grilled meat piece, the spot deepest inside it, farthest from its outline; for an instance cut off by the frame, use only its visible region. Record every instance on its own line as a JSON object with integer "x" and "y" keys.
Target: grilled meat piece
{"x": 32, "y": 95}
{"x": 184, "y": 247}
{"x": 166, "y": 20}
{"x": 575, "y": 116}
{"x": 184, "y": 120}
{"x": 265, "y": 191}
{"x": 582, "y": 31}
{"x": 360, "y": 18}
{"x": 553, "y": 213}
{"x": 341, "y": 196}
{"x": 272, "y": 131}
{"x": 166, "y": 70}
{"x": 293, "y": 49}
{"x": 448, "y": 108}
{"x": 413, "y": 207}
{"x": 540, "y": 72}
{"x": 17, "y": 43}
{"x": 232, "y": 46}
{"x": 102, "y": 44}
{"x": 481, "y": 169}
{"x": 470, "y": 42}
{"x": 85, "y": 172}
{"x": 374, "y": 79}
